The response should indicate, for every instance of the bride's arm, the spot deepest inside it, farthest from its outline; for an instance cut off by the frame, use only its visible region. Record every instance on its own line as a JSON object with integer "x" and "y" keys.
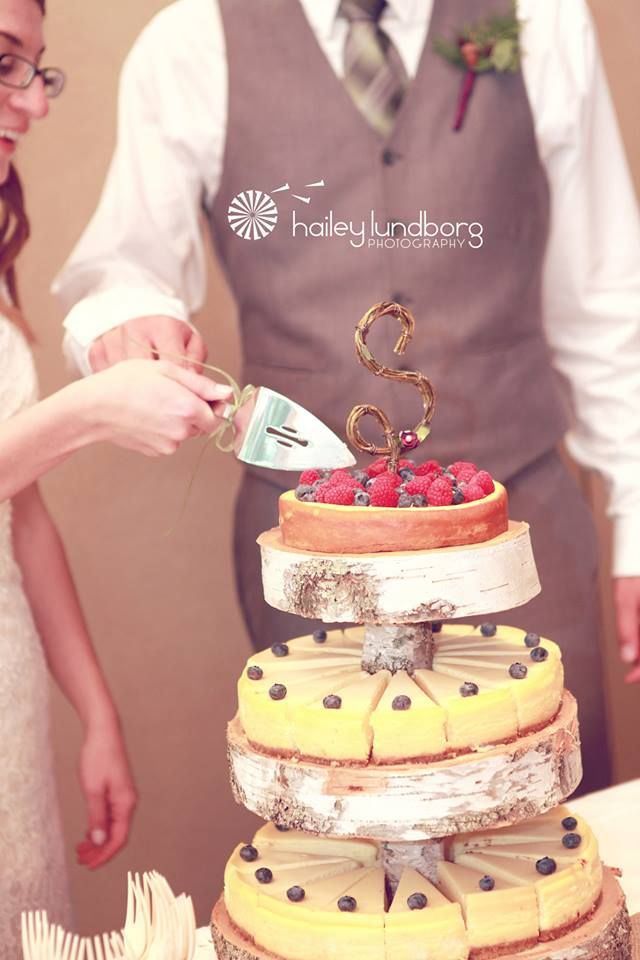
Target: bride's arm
{"x": 145, "y": 405}
{"x": 104, "y": 770}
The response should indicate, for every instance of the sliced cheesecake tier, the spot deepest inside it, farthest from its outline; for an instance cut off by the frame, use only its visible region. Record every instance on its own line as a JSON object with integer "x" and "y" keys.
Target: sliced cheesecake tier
{"x": 336, "y": 529}
{"x": 303, "y": 897}
{"x": 309, "y": 698}
{"x": 555, "y": 855}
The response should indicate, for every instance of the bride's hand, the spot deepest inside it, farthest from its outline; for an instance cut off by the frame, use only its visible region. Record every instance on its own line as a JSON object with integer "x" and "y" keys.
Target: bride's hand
{"x": 109, "y": 793}
{"x": 150, "y": 406}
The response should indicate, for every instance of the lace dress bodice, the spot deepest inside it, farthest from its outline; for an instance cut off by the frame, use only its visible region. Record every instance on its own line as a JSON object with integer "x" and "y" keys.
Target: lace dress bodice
{"x": 32, "y": 872}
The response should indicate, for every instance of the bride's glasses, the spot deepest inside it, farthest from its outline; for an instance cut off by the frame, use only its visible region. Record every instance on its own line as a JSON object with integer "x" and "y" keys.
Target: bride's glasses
{"x": 19, "y": 73}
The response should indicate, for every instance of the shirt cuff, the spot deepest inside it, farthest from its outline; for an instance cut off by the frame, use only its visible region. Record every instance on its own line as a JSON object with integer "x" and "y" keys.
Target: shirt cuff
{"x": 95, "y": 315}
{"x": 626, "y": 546}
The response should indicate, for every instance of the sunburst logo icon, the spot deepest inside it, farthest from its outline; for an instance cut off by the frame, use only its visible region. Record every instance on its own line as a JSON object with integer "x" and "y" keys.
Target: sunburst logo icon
{"x": 253, "y": 214}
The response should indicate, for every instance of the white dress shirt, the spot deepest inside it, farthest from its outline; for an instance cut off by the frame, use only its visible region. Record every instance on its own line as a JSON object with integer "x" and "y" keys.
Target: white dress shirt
{"x": 143, "y": 254}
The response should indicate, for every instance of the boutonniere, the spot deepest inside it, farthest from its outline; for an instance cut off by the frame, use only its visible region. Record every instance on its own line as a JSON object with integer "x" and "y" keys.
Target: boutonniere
{"x": 491, "y": 44}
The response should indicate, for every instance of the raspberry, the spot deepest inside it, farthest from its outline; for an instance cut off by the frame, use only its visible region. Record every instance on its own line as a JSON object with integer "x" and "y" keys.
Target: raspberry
{"x": 309, "y": 477}
{"x": 383, "y": 491}
{"x": 431, "y": 466}
{"x": 339, "y": 493}
{"x": 466, "y": 474}
{"x": 388, "y": 479}
{"x": 484, "y": 480}
{"x": 338, "y": 476}
{"x": 456, "y": 467}
{"x": 472, "y": 491}
{"x": 420, "y": 484}
{"x": 384, "y": 496}
{"x": 440, "y": 493}
{"x": 377, "y": 467}
{"x": 380, "y": 465}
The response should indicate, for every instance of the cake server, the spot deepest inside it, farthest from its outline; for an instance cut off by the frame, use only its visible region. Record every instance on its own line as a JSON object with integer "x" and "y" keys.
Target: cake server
{"x": 274, "y": 432}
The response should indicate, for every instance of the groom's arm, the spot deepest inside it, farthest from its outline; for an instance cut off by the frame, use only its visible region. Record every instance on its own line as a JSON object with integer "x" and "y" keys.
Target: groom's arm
{"x": 138, "y": 272}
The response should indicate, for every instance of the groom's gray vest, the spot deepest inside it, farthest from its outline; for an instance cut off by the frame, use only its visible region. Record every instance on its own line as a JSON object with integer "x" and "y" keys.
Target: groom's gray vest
{"x": 478, "y": 308}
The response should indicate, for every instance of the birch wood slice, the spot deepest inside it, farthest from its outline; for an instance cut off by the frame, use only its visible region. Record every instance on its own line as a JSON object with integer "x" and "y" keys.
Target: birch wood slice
{"x": 410, "y": 587}
{"x": 606, "y": 935}
{"x": 496, "y": 786}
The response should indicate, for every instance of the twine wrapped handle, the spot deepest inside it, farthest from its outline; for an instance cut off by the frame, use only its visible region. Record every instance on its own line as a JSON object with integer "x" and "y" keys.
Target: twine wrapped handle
{"x": 395, "y": 442}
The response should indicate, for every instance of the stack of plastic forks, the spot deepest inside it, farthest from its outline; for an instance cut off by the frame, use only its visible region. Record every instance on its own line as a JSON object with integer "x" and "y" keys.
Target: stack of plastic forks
{"x": 158, "y": 926}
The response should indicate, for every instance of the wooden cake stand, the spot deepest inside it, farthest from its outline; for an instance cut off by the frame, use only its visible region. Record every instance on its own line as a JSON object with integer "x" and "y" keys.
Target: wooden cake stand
{"x": 495, "y": 786}
{"x": 411, "y": 587}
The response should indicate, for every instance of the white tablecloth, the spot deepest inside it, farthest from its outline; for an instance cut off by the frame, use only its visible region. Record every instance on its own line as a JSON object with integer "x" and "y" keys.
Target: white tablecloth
{"x": 614, "y": 816}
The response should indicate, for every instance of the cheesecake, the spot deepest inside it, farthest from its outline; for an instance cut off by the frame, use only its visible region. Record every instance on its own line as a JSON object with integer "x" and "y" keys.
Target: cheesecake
{"x": 310, "y": 699}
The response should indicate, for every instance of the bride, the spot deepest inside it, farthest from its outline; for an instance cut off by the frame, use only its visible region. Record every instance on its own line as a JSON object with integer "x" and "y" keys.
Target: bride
{"x": 145, "y": 405}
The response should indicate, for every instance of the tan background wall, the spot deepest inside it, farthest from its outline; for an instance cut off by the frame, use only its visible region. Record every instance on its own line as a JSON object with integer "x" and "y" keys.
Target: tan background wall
{"x": 162, "y": 607}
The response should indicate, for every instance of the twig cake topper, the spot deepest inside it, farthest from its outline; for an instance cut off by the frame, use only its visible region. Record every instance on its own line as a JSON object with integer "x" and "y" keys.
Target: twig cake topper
{"x": 396, "y": 442}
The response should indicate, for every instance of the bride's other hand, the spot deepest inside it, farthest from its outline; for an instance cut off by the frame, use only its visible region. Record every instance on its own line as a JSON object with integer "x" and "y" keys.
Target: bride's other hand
{"x": 150, "y": 406}
{"x": 109, "y": 793}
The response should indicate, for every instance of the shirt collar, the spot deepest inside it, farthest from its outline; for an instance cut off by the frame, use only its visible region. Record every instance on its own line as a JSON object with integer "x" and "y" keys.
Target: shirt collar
{"x": 322, "y": 13}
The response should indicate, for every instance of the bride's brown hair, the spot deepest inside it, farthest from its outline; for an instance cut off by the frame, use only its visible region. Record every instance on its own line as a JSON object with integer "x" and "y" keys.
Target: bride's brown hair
{"x": 14, "y": 233}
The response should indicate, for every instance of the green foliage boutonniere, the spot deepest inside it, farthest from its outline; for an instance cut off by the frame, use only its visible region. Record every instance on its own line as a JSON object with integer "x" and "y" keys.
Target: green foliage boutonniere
{"x": 491, "y": 44}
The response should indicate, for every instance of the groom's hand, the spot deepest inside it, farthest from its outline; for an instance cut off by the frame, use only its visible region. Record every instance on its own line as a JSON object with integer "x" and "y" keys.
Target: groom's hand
{"x": 149, "y": 338}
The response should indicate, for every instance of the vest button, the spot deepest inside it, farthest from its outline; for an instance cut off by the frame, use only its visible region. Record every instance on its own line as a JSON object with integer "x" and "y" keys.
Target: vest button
{"x": 389, "y": 157}
{"x": 401, "y": 298}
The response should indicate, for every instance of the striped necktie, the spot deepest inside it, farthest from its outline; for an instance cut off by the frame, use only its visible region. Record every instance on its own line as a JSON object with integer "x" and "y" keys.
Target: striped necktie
{"x": 374, "y": 74}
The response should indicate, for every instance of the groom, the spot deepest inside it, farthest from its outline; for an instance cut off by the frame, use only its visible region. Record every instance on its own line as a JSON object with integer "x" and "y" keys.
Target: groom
{"x": 342, "y": 111}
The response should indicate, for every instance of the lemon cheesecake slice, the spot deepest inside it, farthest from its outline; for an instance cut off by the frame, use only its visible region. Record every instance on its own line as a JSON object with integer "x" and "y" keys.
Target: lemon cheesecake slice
{"x": 422, "y": 923}
{"x": 407, "y": 723}
{"x": 336, "y": 725}
{"x": 496, "y": 913}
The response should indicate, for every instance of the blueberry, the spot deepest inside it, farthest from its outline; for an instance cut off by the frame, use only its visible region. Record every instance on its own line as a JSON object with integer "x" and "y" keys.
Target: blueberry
{"x": 282, "y": 827}
{"x": 295, "y": 894}
{"x": 305, "y": 492}
{"x": 538, "y": 654}
{"x": 486, "y": 883}
{"x": 248, "y": 853}
{"x": 417, "y": 901}
{"x": 469, "y": 689}
{"x": 406, "y": 473}
{"x": 518, "y": 671}
{"x": 401, "y": 703}
{"x": 571, "y": 840}
{"x": 319, "y": 636}
{"x": 347, "y": 904}
{"x": 546, "y": 866}
{"x": 436, "y": 626}
{"x": 419, "y": 500}
{"x": 531, "y": 639}
{"x": 488, "y": 629}
{"x": 361, "y": 476}
{"x": 280, "y": 649}
{"x": 458, "y": 496}
{"x": 405, "y": 500}
{"x": 569, "y": 823}
{"x": 255, "y": 673}
{"x": 264, "y": 875}
{"x": 361, "y": 498}
{"x": 332, "y": 702}
{"x": 278, "y": 691}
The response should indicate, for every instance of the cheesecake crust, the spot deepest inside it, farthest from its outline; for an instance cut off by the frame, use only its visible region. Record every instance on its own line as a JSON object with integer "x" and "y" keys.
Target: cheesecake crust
{"x": 330, "y": 528}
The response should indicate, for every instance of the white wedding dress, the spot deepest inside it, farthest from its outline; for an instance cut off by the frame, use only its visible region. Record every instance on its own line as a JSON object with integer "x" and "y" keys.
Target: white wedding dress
{"x": 32, "y": 867}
